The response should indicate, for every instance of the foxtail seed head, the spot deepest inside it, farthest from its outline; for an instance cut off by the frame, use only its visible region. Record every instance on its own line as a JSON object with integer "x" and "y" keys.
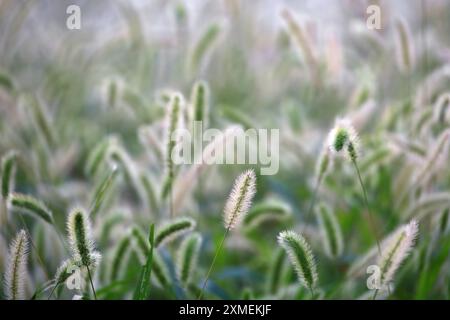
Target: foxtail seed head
{"x": 173, "y": 124}
{"x": 31, "y": 205}
{"x": 240, "y": 199}
{"x": 80, "y": 239}
{"x": 16, "y": 268}
{"x": 300, "y": 256}
{"x": 8, "y": 167}
{"x": 187, "y": 258}
{"x": 397, "y": 250}
{"x": 200, "y": 102}
{"x": 173, "y": 230}
{"x": 64, "y": 271}
{"x": 343, "y": 139}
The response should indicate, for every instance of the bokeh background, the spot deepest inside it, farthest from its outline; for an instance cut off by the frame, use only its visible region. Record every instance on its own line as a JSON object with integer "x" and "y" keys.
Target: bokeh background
{"x": 64, "y": 93}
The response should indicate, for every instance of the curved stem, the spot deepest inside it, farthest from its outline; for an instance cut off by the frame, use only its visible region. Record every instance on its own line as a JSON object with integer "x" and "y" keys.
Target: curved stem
{"x": 371, "y": 220}
{"x": 212, "y": 263}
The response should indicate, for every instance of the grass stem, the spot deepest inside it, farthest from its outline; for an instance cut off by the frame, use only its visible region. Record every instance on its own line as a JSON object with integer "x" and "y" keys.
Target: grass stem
{"x": 212, "y": 263}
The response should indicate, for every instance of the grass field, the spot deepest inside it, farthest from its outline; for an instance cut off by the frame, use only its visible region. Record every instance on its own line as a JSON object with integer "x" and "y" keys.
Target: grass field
{"x": 94, "y": 206}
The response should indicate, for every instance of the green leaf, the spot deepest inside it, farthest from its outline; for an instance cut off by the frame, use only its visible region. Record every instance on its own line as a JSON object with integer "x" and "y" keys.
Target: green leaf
{"x": 143, "y": 289}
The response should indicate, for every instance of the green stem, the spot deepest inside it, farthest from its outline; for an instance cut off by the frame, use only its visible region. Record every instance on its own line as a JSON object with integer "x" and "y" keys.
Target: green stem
{"x": 313, "y": 200}
{"x": 375, "y": 294}
{"x": 312, "y": 292}
{"x": 92, "y": 284}
{"x": 371, "y": 220}
{"x": 212, "y": 263}
{"x": 53, "y": 290}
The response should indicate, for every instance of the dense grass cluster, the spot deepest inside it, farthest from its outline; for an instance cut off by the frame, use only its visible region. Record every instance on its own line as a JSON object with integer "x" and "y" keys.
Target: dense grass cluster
{"x": 92, "y": 205}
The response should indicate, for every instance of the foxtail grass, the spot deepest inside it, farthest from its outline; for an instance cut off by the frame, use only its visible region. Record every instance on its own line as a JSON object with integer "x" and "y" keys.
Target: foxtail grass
{"x": 204, "y": 45}
{"x": 8, "y": 168}
{"x": 81, "y": 243}
{"x": 187, "y": 258}
{"x": 42, "y": 121}
{"x": 343, "y": 140}
{"x": 120, "y": 258}
{"x": 199, "y": 110}
{"x": 301, "y": 258}
{"x": 404, "y": 47}
{"x": 173, "y": 230}
{"x": 236, "y": 207}
{"x": 102, "y": 190}
{"x": 32, "y": 206}
{"x": 272, "y": 210}
{"x": 396, "y": 251}
{"x": 302, "y": 41}
{"x": 16, "y": 269}
{"x": 62, "y": 274}
{"x": 173, "y": 123}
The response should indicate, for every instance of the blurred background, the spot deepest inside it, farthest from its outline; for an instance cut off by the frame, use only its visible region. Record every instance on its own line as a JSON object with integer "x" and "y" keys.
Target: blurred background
{"x": 291, "y": 65}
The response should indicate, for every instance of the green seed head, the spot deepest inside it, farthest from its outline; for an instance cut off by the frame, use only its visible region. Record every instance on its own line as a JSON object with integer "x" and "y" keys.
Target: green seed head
{"x": 340, "y": 140}
{"x": 16, "y": 268}
{"x": 343, "y": 139}
{"x": 80, "y": 238}
{"x": 300, "y": 256}
{"x": 173, "y": 230}
{"x": 7, "y": 173}
{"x": 31, "y": 205}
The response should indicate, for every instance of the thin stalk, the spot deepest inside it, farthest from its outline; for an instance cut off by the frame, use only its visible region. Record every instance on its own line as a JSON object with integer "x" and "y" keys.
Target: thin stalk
{"x": 312, "y": 292}
{"x": 92, "y": 284}
{"x": 371, "y": 220}
{"x": 171, "y": 203}
{"x": 53, "y": 290}
{"x": 313, "y": 200}
{"x": 375, "y": 294}
{"x": 212, "y": 263}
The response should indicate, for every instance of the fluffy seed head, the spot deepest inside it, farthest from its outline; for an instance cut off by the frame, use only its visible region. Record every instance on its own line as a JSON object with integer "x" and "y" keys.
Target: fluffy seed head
{"x": 397, "y": 250}
{"x": 64, "y": 271}
{"x": 240, "y": 199}
{"x": 173, "y": 230}
{"x": 80, "y": 239}
{"x": 343, "y": 139}
{"x": 404, "y": 47}
{"x": 120, "y": 258}
{"x": 441, "y": 109}
{"x": 173, "y": 125}
{"x": 31, "y": 205}
{"x": 16, "y": 267}
{"x": 7, "y": 173}
{"x": 300, "y": 256}
{"x": 187, "y": 258}
{"x": 200, "y": 103}
{"x": 272, "y": 210}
